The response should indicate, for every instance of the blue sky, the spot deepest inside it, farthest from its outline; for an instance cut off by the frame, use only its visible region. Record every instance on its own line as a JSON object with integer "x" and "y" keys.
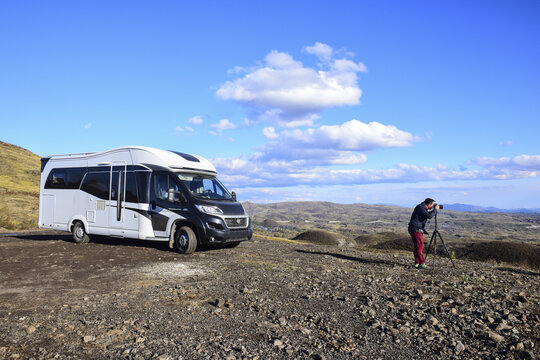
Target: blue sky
{"x": 345, "y": 101}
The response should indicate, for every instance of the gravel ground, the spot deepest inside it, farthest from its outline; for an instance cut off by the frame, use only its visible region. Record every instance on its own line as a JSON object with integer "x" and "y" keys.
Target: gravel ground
{"x": 119, "y": 299}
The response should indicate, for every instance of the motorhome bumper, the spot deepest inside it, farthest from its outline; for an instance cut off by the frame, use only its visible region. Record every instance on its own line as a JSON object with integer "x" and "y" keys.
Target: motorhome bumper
{"x": 217, "y": 232}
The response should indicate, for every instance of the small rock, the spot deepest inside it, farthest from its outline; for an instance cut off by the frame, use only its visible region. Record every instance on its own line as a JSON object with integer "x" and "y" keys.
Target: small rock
{"x": 434, "y": 321}
{"x": 503, "y": 326}
{"x": 495, "y": 337}
{"x": 282, "y": 321}
{"x": 31, "y": 329}
{"x": 521, "y": 297}
{"x": 459, "y": 347}
{"x": 89, "y": 338}
{"x": 405, "y": 330}
{"x": 164, "y": 357}
{"x": 520, "y": 346}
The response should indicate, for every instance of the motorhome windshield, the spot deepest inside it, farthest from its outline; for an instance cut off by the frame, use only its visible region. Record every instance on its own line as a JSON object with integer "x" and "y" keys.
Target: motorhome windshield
{"x": 206, "y": 187}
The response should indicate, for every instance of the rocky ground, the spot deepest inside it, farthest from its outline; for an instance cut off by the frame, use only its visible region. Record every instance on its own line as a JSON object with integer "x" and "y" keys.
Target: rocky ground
{"x": 262, "y": 300}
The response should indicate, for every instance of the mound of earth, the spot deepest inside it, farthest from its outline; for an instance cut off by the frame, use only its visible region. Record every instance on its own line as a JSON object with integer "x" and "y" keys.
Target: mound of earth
{"x": 400, "y": 242}
{"x": 385, "y": 240}
{"x": 321, "y": 237}
{"x": 269, "y": 223}
{"x": 514, "y": 253}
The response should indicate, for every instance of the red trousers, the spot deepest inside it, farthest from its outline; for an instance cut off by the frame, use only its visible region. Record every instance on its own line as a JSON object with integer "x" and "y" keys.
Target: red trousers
{"x": 418, "y": 243}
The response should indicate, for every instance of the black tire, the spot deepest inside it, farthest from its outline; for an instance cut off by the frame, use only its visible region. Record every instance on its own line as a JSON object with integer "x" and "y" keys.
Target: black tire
{"x": 231, "y": 244}
{"x": 185, "y": 240}
{"x": 79, "y": 234}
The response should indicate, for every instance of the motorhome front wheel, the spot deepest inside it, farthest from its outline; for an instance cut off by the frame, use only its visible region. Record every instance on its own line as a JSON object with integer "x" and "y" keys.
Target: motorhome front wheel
{"x": 185, "y": 241}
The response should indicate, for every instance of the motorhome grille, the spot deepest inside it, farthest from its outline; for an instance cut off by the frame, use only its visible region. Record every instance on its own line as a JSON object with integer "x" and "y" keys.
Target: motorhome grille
{"x": 236, "y": 222}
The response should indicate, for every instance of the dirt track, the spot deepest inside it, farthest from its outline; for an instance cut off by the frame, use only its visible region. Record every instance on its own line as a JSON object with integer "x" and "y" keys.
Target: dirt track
{"x": 264, "y": 299}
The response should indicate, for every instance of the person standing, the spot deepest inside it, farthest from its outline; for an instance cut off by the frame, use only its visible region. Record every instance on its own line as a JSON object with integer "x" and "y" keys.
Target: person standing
{"x": 422, "y": 212}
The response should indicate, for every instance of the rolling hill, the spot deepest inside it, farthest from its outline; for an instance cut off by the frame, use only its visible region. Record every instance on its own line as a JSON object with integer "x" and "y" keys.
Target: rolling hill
{"x": 19, "y": 188}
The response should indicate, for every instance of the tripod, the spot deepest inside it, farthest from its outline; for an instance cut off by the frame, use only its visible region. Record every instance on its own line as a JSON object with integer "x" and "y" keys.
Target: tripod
{"x": 433, "y": 241}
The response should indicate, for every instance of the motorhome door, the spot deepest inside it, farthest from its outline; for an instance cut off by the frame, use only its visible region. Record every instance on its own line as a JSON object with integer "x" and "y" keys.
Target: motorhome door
{"x": 117, "y": 196}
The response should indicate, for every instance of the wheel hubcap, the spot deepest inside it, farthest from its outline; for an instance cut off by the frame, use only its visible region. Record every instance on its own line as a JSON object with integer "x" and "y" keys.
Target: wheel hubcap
{"x": 79, "y": 232}
{"x": 183, "y": 240}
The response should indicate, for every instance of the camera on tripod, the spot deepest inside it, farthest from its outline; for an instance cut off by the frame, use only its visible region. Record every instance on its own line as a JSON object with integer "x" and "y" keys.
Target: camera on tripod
{"x": 440, "y": 206}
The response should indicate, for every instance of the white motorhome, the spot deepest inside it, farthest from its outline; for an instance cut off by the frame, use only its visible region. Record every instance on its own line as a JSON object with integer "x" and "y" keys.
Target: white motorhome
{"x": 140, "y": 193}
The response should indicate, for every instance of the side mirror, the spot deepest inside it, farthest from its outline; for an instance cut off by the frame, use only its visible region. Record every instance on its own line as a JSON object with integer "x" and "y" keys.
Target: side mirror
{"x": 172, "y": 195}
{"x": 176, "y": 196}
{"x": 233, "y": 196}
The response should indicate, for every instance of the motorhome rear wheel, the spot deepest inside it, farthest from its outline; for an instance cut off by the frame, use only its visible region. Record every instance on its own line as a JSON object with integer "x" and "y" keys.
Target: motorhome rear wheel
{"x": 79, "y": 235}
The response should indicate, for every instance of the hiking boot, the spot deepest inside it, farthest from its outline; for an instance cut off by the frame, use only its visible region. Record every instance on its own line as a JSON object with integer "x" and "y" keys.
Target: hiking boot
{"x": 416, "y": 265}
{"x": 422, "y": 266}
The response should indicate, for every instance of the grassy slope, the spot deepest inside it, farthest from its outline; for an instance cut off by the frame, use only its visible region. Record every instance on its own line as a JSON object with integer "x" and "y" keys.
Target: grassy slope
{"x": 19, "y": 169}
{"x": 19, "y": 188}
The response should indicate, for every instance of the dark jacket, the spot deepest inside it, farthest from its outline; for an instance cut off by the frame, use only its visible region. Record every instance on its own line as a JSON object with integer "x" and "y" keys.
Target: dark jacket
{"x": 420, "y": 216}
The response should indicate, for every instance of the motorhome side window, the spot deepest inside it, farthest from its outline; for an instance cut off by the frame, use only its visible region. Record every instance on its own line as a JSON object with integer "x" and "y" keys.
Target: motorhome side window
{"x": 97, "y": 184}
{"x": 136, "y": 186}
{"x": 162, "y": 183}
{"x": 131, "y": 188}
{"x": 65, "y": 178}
{"x": 143, "y": 186}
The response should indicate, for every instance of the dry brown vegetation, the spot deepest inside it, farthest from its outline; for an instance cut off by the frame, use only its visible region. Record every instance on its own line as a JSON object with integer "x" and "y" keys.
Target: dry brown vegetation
{"x": 322, "y": 237}
{"x": 18, "y": 211}
{"x": 514, "y": 253}
{"x": 19, "y": 188}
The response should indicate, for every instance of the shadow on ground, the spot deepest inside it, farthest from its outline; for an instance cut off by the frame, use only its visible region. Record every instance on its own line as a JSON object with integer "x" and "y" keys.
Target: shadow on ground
{"x": 110, "y": 241}
{"x": 352, "y": 258}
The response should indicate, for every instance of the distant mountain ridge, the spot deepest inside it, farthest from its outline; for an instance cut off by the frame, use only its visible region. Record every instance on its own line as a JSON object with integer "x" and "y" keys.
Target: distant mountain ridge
{"x": 490, "y": 209}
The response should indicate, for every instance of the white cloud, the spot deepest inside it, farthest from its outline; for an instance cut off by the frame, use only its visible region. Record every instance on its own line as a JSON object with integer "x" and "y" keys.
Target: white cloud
{"x": 184, "y": 130}
{"x": 283, "y": 90}
{"x": 280, "y": 60}
{"x": 345, "y": 65}
{"x": 258, "y": 171}
{"x": 322, "y": 51}
{"x": 301, "y": 156}
{"x": 222, "y": 125}
{"x": 352, "y": 135}
{"x": 195, "y": 120}
{"x": 270, "y": 133}
{"x": 521, "y": 162}
{"x": 88, "y": 126}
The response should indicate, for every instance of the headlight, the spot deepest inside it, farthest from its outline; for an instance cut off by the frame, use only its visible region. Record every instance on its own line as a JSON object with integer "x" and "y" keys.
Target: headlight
{"x": 213, "y": 210}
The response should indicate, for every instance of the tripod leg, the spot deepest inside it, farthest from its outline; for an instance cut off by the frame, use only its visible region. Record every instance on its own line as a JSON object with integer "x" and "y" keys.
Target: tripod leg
{"x": 434, "y": 247}
{"x": 447, "y": 252}
{"x": 429, "y": 246}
